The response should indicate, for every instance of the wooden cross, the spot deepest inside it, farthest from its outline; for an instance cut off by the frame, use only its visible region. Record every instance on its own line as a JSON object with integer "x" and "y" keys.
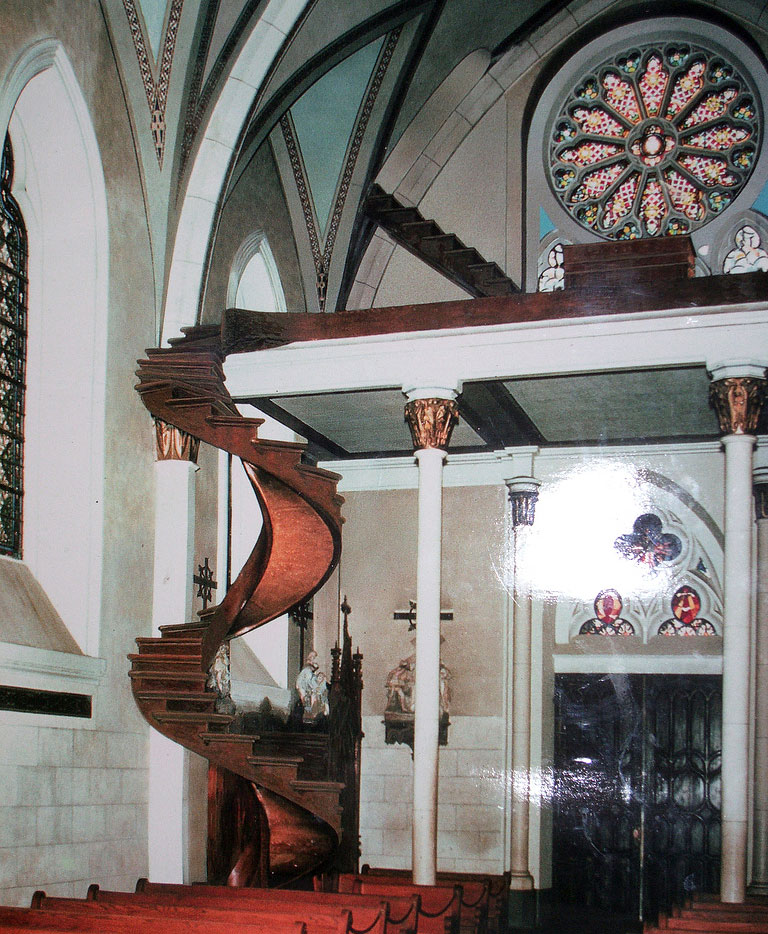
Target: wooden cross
{"x": 205, "y": 583}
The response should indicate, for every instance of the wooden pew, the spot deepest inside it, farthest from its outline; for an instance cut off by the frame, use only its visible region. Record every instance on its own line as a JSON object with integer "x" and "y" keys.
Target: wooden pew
{"x": 441, "y": 907}
{"x": 400, "y": 912}
{"x": 24, "y": 920}
{"x": 707, "y": 915}
{"x": 498, "y": 890}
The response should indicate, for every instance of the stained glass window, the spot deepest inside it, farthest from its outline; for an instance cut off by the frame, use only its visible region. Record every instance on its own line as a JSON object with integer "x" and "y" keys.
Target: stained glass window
{"x": 552, "y": 277}
{"x": 648, "y": 544}
{"x": 656, "y": 141}
{"x": 607, "y": 620}
{"x": 748, "y": 255}
{"x": 686, "y": 605}
{"x": 13, "y": 339}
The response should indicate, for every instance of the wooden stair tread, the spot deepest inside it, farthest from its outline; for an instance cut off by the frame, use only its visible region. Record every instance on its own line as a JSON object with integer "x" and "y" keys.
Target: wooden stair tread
{"x": 243, "y": 738}
{"x": 275, "y": 760}
{"x": 308, "y": 784}
{"x": 149, "y": 674}
{"x": 191, "y": 716}
{"x": 191, "y": 696}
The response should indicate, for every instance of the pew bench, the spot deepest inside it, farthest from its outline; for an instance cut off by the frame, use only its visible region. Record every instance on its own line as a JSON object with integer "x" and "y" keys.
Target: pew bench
{"x": 441, "y": 907}
{"x": 41, "y": 921}
{"x": 400, "y": 912}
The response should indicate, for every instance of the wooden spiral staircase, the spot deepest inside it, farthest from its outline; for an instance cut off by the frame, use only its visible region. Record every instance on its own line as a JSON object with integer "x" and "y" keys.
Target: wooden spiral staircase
{"x": 301, "y": 803}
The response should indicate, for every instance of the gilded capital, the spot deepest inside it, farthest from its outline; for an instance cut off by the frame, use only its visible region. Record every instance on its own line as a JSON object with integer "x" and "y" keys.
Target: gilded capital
{"x": 738, "y": 401}
{"x": 431, "y": 421}
{"x": 173, "y": 444}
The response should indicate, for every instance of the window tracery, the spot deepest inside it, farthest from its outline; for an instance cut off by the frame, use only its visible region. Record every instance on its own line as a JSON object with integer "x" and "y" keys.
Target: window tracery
{"x": 655, "y": 141}
{"x": 685, "y": 621}
{"x": 13, "y": 339}
{"x": 552, "y": 276}
{"x": 607, "y": 620}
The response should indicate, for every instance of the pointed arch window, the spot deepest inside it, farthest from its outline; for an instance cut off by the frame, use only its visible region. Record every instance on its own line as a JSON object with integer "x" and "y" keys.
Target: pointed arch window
{"x": 13, "y": 341}
{"x": 254, "y": 281}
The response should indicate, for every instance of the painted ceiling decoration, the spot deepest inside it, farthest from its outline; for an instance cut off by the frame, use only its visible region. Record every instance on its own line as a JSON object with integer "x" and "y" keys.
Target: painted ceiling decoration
{"x": 323, "y": 132}
{"x": 655, "y": 141}
{"x": 156, "y": 80}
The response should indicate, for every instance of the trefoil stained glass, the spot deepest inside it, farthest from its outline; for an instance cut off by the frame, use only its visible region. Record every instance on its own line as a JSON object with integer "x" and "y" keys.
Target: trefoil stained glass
{"x": 655, "y": 141}
{"x": 13, "y": 339}
{"x": 686, "y": 605}
{"x": 607, "y": 620}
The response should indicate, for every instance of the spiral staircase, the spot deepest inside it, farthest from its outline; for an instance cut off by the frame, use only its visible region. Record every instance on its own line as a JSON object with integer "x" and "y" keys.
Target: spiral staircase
{"x": 301, "y": 800}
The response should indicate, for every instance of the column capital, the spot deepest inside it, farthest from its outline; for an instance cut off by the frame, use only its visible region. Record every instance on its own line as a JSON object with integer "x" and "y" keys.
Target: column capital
{"x": 523, "y": 495}
{"x": 173, "y": 444}
{"x": 431, "y": 420}
{"x": 737, "y": 394}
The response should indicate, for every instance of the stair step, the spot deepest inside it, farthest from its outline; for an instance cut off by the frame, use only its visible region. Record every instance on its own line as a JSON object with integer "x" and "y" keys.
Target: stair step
{"x": 402, "y": 214}
{"x": 226, "y": 421}
{"x": 240, "y": 738}
{"x": 276, "y": 761}
{"x": 154, "y": 658}
{"x": 319, "y": 472}
{"x": 414, "y": 231}
{"x": 193, "y": 629}
{"x": 153, "y": 674}
{"x": 193, "y": 697}
{"x": 306, "y": 785}
{"x": 167, "y": 646}
{"x": 192, "y": 716}
{"x": 441, "y": 243}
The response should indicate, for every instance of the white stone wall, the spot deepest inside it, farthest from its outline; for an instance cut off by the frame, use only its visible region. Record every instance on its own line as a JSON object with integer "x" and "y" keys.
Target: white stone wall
{"x": 471, "y": 796}
{"x": 73, "y": 809}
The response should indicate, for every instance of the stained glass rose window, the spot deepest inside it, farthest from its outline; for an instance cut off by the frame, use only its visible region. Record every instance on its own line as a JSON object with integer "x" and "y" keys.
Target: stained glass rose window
{"x": 658, "y": 140}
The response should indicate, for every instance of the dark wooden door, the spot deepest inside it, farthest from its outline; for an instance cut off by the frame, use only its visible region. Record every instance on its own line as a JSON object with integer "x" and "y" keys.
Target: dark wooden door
{"x": 636, "y": 790}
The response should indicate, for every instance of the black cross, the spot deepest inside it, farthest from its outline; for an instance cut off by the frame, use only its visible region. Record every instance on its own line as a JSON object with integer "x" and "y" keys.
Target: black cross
{"x": 410, "y": 615}
{"x": 205, "y": 583}
{"x": 302, "y": 616}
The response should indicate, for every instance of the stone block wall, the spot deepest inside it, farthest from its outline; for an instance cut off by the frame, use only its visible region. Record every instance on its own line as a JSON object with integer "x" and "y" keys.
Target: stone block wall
{"x": 471, "y": 794}
{"x": 73, "y": 809}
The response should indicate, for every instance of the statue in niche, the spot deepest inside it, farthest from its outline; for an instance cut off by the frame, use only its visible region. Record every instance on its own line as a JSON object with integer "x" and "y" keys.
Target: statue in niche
{"x": 312, "y": 685}
{"x": 401, "y": 698}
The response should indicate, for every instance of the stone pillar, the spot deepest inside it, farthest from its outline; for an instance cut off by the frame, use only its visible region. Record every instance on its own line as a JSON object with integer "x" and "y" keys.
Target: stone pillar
{"x": 431, "y": 416}
{"x": 175, "y": 467}
{"x": 759, "y": 885}
{"x": 523, "y": 495}
{"x": 737, "y": 394}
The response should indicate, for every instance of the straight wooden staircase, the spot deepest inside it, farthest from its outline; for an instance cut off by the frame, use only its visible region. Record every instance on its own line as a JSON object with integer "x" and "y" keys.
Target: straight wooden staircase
{"x": 442, "y": 251}
{"x": 296, "y": 551}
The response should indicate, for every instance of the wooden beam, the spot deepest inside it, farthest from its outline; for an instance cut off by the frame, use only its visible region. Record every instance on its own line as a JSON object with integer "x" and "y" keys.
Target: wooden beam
{"x": 245, "y": 331}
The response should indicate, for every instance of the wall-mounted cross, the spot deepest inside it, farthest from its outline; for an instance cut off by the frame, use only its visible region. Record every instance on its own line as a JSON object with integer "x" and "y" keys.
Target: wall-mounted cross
{"x": 302, "y": 616}
{"x": 410, "y": 615}
{"x": 205, "y": 583}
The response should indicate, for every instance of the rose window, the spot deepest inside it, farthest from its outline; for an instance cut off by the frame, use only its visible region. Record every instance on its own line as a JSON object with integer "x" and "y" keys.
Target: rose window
{"x": 655, "y": 141}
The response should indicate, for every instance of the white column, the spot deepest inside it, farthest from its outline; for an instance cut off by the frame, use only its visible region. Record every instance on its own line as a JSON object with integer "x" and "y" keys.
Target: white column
{"x": 427, "y": 689}
{"x": 736, "y": 393}
{"x": 759, "y": 884}
{"x": 431, "y": 415}
{"x": 523, "y": 494}
{"x": 172, "y": 604}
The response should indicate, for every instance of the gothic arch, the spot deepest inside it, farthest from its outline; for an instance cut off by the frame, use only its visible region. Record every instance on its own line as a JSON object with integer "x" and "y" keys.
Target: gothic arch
{"x": 213, "y": 160}
{"x": 59, "y": 185}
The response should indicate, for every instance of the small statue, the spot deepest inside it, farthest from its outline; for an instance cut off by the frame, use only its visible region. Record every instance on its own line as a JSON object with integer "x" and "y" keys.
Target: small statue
{"x": 312, "y": 686}
{"x": 401, "y": 684}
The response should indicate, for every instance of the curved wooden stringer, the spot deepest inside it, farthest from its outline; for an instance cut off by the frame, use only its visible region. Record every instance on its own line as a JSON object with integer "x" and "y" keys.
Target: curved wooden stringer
{"x": 295, "y": 553}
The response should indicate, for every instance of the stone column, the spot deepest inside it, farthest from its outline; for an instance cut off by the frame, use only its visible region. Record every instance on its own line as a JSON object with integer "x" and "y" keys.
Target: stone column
{"x": 175, "y": 467}
{"x": 759, "y": 885}
{"x": 737, "y": 394}
{"x": 523, "y": 495}
{"x": 431, "y": 416}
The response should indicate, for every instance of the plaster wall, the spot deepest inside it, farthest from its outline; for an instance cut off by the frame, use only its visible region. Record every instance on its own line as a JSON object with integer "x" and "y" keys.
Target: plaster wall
{"x": 74, "y": 807}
